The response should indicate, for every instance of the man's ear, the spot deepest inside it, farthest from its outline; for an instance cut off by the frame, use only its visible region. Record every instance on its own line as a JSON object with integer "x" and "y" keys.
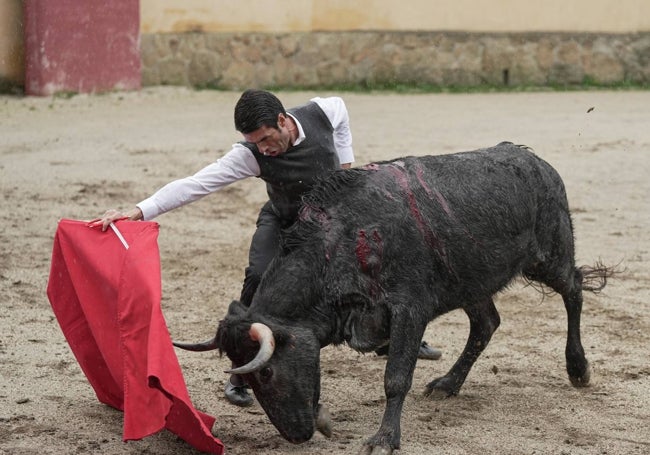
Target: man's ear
{"x": 282, "y": 120}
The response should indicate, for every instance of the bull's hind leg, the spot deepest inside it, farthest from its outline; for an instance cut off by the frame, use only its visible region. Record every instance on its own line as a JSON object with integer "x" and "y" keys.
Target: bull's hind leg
{"x": 556, "y": 268}
{"x": 570, "y": 289}
{"x": 484, "y": 320}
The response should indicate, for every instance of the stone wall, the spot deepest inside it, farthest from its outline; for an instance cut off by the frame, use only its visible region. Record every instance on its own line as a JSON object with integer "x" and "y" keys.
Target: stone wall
{"x": 313, "y": 59}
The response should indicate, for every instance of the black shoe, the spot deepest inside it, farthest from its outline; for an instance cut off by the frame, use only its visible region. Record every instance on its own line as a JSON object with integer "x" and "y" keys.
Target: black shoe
{"x": 382, "y": 351}
{"x": 238, "y": 395}
{"x": 428, "y": 353}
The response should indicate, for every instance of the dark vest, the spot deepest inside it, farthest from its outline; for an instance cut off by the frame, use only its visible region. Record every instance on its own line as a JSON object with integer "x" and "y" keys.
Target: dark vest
{"x": 290, "y": 175}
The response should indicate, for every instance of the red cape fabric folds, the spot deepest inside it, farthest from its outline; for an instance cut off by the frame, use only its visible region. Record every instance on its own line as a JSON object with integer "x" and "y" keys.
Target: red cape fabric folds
{"x": 106, "y": 299}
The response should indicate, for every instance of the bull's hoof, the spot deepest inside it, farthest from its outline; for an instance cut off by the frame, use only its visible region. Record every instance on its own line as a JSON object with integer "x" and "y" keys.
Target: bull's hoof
{"x": 376, "y": 450}
{"x": 440, "y": 388}
{"x": 437, "y": 394}
{"x": 583, "y": 380}
{"x": 383, "y": 443}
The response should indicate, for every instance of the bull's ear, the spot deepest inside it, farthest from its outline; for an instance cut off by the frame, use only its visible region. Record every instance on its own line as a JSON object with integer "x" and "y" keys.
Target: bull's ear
{"x": 233, "y": 336}
{"x": 236, "y": 308}
{"x": 282, "y": 336}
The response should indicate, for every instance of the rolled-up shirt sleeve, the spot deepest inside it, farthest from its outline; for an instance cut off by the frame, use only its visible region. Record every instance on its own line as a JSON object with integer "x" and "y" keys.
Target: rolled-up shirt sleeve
{"x": 336, "y": 111}
{"x": 239, "y": 163}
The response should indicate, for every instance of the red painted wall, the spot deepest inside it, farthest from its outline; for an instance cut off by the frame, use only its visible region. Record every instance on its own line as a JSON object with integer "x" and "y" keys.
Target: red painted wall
{"x": 81, "y": 46}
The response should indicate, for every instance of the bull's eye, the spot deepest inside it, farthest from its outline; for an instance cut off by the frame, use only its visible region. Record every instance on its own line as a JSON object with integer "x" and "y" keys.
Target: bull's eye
{"x": 266, "y": 373}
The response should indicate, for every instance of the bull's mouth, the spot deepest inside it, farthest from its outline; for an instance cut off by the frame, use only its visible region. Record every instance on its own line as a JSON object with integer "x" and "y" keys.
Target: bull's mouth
{"x": 298, "y": 436}
{"x": 322, "y": 423}
{"x": 298, "y": 440}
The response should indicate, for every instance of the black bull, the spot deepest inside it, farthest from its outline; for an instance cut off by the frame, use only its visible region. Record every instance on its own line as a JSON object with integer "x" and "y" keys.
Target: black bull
{"x": 380, "y": 251}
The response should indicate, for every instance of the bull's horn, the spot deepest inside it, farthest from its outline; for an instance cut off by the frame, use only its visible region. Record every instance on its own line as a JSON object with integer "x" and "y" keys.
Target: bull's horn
{"x": 262, "y": 333}
{"x": 198, "y": 347}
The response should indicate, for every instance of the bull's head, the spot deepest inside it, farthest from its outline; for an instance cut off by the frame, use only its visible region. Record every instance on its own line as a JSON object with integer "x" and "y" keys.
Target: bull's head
{"x": 282, "y": 366}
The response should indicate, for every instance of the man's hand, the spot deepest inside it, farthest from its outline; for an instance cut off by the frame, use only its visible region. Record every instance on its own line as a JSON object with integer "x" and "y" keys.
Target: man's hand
{"x": 112, "y": 215}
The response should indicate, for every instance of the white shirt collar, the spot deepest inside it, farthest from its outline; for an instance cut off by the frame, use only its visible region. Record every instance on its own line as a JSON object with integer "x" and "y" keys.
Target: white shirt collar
{"x": 301, "y": 132}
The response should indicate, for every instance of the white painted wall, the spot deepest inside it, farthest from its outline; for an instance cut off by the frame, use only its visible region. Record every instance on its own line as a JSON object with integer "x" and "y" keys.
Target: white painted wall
{"x": 614, "y": 16}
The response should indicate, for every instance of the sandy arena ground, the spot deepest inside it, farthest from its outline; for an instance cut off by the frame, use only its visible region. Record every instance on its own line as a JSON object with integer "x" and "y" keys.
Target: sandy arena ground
{"x": 77, "y": 157}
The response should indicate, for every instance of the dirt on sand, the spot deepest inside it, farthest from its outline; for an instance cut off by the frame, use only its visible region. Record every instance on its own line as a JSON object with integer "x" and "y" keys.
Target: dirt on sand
{"x": 77, "y": 157}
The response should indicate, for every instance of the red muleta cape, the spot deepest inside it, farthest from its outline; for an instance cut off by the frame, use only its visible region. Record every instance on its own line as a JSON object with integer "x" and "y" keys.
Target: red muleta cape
{"x": 106, "y": 299}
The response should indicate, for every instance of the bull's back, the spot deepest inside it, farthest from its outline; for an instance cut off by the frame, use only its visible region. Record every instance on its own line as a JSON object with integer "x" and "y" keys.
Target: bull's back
{"x": 505, "y": 172}
{"x": 464, "y": 216}
{"x": 508, "y": 183}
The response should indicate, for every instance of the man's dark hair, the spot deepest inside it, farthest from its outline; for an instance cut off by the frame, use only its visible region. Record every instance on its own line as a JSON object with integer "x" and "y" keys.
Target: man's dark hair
{"x": 255, "y": 109}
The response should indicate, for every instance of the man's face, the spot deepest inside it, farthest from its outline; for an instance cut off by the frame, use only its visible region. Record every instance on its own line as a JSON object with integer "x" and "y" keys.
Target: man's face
{"x": 271, "y": 141}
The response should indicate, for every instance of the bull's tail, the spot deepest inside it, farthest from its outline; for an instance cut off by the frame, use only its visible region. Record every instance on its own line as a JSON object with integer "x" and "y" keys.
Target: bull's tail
{"x": 594, "y": 279}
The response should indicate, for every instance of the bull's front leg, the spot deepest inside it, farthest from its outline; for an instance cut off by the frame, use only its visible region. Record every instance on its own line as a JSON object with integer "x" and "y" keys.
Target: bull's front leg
{"x": 484, "y": 320}
{"x": 405, "y": 337}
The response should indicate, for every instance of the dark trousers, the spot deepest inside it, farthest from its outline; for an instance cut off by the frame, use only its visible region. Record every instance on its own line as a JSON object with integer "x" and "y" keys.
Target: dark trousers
{"x": 265, "y": 245}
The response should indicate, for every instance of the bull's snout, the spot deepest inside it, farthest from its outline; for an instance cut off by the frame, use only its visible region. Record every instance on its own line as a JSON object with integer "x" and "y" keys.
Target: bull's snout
{"x": 299, "y": 434}
{"x": 304, "y": 431}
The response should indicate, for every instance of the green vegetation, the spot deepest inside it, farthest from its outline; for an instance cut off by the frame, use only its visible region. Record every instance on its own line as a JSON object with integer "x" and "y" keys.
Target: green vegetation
{"x": 65, "y": 94}
{"x": 398, "y": 87}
